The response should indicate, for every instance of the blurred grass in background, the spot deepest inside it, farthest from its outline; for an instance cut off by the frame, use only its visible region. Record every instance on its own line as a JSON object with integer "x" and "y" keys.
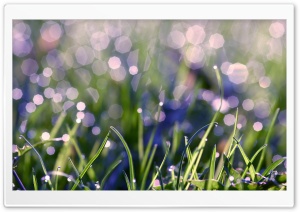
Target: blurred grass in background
{"x": 74, "y": 79}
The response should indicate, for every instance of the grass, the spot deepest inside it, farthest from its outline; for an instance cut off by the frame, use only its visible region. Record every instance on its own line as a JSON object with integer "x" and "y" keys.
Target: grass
{"x": 192, "y": 172}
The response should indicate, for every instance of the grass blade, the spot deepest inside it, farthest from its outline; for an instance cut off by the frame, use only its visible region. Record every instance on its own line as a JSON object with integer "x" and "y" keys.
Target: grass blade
{"x": 202, "y": 184}
{"x": 189, "y": 156}
{"x": 57, "y": 125}
{"x": 35, "y": 185}
{"x": 145, "y": 175}
{"x": 91, "y": 162}
{"x": 227, "y": 148}
{"x": 131, "y": 168}
{"x": 267, "y": 140}
{"x": 272, "y": 166}
{"x": 199, "y": 150}
{"x": 150, "y": 142}
{"x": 56, "y": 178}
{"x": 161, "y": 165}
{"x": 160, "y": 178}
{"x": 110, "y": 170}
{"x": 18, "y": 180}
{"x": 175, "y": 142}
{"x": 140, "y": 137}
{"x": 41, "y": 160}
{"x": 247, "y": 161}
{"x": 184, "y": 153}
{"x": 211, "y": 172}
{"x": 76, "y": 171}
{"x": 127, "y": 180}
{"x": 253, "y": 158}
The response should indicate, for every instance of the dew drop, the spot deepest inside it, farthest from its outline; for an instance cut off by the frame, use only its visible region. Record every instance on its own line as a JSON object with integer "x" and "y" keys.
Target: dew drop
{"x": 133, "y": 180}
{"x": 161, "y": 104}
{"x": 20, "y": 137}
{"x": 215, "y": 67}
{"x": 47, "y": 177}
{"x": 58, "y": 168}
{"x": 69, "y": 179}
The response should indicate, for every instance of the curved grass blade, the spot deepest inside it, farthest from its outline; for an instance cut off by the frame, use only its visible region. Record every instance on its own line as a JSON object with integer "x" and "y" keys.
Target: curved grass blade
{"x": 127, "y": 180}
{"x": 211, "y": 172}
{"x": 41, "y": 160}
{"x": 76, "y": 172}
{"x": 35, "y": 185}
{"x": 150, "y": 142}
{"x": 57, "y": 125}
{"x": 267, "y": 140}
{"x": 175, "y": 142}
{"x": 253, "y": 158}
{"x": 189, "y": 156}
{"x": 162, "y": 163}
{"x": 160, "y": 178}
{"x": 90, "y": 162}
{"x": 272, "y": 166}
{"x": 145, "y": 175}
{"x": 184, "y": 153}
{"x": 227, "y": 148}
{"x": 110, "y": 170}
{"x": 199, "y": 150}
{"x": 247, "y": 161}
{"x": 131, "y": 168}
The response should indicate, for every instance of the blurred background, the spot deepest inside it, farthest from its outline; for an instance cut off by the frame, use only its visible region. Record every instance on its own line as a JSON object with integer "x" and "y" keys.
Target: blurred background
{"x": 97, "y": 74}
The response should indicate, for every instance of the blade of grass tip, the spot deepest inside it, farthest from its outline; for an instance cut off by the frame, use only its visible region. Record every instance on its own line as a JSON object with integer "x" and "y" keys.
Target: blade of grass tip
{"x": 168, "y": 144}
{"x": 111, "y": 168}
{"x": 146, "y": 172}
{"x": 175, "y": 142}
{"x": 76, "y": 171}
{"x": 140, "y": 135}
{"x": 272, "y": 166}
{"x": 150, "y": 142}
{"x": 127, "y": 180}
{"x": 131, "y": 168}
{"x": 189, "y": 156}
{"x": 18, "y": 180}
{"x": 41, "y": 160}
{"x": 267, "y": 140}
{"x": 91, "y": 161}
{"x": 35, "y": 185}
{"x": 160, "y": 178}
{"x": 247, "y": 161}
{"x": 184, "y": 153}
{"x": 56, "y": 178}
{"x": 227, "y": 148}
{"x": 198, "y": 154}
{"x": 253, "y": 158}
{"x": 211, "y": 172}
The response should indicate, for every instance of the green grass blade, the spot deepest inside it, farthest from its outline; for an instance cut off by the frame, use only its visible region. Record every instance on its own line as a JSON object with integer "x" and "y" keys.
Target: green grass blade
{"x": 56, "y": 178}
{"x": 227, "y": 148}
{"x": 146, "y": 172}
{"x": 127, "y": 181}
{"x": 161, "y": 165}
{"x": 110, "y": 170}
{"x": 131, "y": 168}
{"x": 199, "y": 150}
{"x": 189, "y": 156}
{"x": 267, "y": 140}
{"x": 202, "y": 184}
{"x": 140, "y": 137}
{"x": 273, "y": 166}
{"x": 150, "y": 142}
{"x": 35, "y": 185}
{"x": 253, "y": 158}
{"x": 211, "y": 172}
{"x": 91, "y": 162}
{"x": 247, "y": 161}
{"x": 41, "y": 160}
{"x": 76, "y": 171}
{"x": 175, "y": 142}
{"x": 160, "y": 178}
{"x": 184, "y": 153}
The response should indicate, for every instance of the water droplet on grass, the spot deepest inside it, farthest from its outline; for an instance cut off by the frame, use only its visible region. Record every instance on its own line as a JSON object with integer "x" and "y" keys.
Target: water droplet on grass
{"x": 69, "y": 179}
{"x": 215, "y": 67}
{"x": 161, "y": 104}
{"x": 231, "y": 178}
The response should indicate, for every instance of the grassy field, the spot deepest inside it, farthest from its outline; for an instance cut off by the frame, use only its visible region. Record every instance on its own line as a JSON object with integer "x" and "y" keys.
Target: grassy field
{"x": 149, "y": 105}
